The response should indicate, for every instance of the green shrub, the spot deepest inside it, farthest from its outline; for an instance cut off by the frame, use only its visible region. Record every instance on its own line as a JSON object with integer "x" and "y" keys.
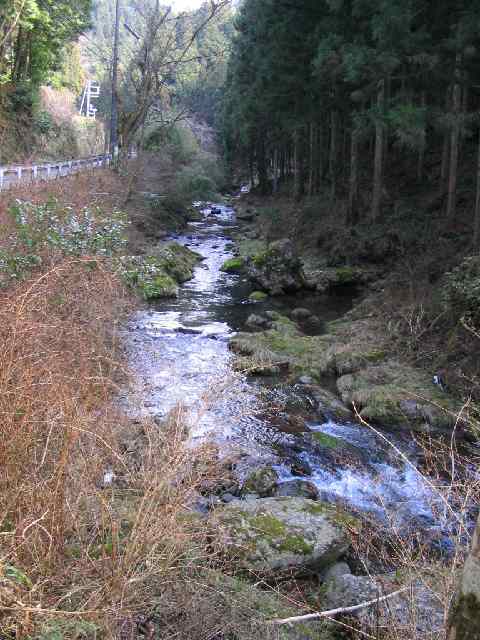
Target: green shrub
{"x": 49, "y": 226}
{"x": 195, "y": 185}
{"x": 461, "y": 291}
{"x": 43, "y": 122}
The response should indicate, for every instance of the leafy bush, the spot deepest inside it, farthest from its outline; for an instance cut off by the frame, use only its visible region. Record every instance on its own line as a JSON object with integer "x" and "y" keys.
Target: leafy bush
{"x": 89, "y": 231}
{"x": 43, "y": 122}
{"x": 197, "y": 186}
{"x": 71, "y": 233}
{"x": 23, "y": 98}
{"x": 461, "y": 291}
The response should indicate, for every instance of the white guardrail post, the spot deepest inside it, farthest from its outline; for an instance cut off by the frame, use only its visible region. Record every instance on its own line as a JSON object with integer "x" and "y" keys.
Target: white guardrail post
{"x": 11, "y": 176}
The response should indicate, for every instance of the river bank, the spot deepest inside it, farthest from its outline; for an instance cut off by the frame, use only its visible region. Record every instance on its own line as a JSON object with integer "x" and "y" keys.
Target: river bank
{"x": 286, "y": 436}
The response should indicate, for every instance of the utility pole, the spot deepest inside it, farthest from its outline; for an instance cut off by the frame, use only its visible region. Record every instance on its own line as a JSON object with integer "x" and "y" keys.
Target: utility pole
{"x": 114, "y": 116}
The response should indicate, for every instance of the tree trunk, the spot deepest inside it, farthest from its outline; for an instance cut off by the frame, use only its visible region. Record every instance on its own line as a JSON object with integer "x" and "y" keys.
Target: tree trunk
{"x": 378, "y": 161}
{"x": 352, "y": 211}
{"x": 251, "y": 167}
{"x": 320, "y": 154}
{"x": 333, "y": 153}
{"x": 423, "y": 143}
{"x": 454, "y": 141}
{"x": 275, "y": 171}
{"x": 464, "y": 617}
{"x": 311, "y": 168}
{"x": 445, "y": 150}
{"x": 262, "y": 168}
{"x": 476, "y": 223}
{"x": 300, "y": 165}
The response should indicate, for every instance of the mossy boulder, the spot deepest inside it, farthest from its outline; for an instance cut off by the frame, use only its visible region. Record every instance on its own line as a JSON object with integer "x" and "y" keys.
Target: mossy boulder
{"x": 325, "y": 279}
{"x": 178, "y": 261}
{"x": 158, "y": 276}
{"x": 261, "y": 481}
{"x": 233, "y": 265}
{"x": 392, "y": 394}
{"x": 283, "y": 534}
{"x": 277, "y": 269}
{"x": 159, "y": 286}
{"x": 258, "y": 296}
{"x": 284, "y": 345}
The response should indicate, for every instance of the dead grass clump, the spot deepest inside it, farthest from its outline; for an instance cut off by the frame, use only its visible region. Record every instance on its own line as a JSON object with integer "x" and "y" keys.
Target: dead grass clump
{"x": 91, "y": 525}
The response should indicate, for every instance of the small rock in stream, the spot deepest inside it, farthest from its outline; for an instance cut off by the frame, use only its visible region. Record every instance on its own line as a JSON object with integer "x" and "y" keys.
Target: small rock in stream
{"x": 297, "y": 489}
{"x": 301, "y": 467}
{"x": 301, "y": 314}
{"x": 306, "y": 380}
{"x": 257, "y": 323}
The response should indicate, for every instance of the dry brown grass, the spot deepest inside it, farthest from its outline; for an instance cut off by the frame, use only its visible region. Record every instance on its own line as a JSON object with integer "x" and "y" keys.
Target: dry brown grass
{"x": 83, "y": 550}
{"x": 93, "y": 551}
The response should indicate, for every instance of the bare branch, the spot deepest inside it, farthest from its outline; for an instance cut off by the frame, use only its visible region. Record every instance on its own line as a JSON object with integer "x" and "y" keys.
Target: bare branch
{"x": 333, "y": 612}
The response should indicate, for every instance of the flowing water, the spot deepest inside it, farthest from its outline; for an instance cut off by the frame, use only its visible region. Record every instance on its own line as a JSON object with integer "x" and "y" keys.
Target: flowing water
{"x": 179, "y": 353}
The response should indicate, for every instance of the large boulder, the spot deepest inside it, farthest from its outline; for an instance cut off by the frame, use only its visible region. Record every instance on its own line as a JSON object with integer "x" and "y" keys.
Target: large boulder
{"x": 417, "y": 611}
{"x": 283, "y": 534}
{"x": 158, "y": 276}
{"x": 393, "y": 394}
{"x": 298, "y": 489}
{"x": 278, "y": 269}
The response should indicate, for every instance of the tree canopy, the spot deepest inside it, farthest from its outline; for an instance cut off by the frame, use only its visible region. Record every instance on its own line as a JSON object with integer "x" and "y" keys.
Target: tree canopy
{"x": 33, "y": 34}
{"x": 315, "y": 85}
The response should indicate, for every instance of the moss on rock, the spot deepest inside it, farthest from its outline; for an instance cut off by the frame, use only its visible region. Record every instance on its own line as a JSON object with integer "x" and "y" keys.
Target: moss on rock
{"x": 324, "y": 440}
{"x": 158, "y": 276}
{"x": 258, "y": 296}
{"x": 261, "y": 481}
{"x": 234, "y": 265}
{"x": 276, "y": 534}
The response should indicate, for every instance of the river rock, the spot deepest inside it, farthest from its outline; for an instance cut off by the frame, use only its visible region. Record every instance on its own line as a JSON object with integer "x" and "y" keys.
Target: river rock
{"x": 328, "y": 405}
{"x": 283, "y": 534}
{"x": 392, "y": 394}
{"x": 416, "y": 611}
{"x": 257, "y": 323}
{"x": 258, "y": 296}
{"x": 297, "y": 489}
{"x": 247, "y": 608}
{"x": 261, "y": 482}
{"x": 335, "y": 571}
{"x": 278, "y": 269}
{"x": 301, "y": 314}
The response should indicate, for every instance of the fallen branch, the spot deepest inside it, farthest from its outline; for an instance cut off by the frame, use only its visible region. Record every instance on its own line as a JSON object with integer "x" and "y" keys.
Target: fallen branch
{"x": 334, "y": 612}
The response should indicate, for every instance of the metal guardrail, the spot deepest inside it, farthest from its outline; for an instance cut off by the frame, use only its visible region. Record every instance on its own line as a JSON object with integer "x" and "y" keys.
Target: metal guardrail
{"x": 11, "y": 176}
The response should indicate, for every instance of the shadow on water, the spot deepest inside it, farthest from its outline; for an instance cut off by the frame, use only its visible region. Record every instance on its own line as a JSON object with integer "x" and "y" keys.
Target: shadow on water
{"x": 179, "y": 352}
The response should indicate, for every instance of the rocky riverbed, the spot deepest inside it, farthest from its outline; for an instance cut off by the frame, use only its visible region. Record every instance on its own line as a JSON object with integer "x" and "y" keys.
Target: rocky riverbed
{"x": 283, "y": 378}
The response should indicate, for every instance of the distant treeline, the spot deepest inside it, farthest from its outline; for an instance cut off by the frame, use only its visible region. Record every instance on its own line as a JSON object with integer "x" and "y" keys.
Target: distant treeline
{"x": 327, "y": 92}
